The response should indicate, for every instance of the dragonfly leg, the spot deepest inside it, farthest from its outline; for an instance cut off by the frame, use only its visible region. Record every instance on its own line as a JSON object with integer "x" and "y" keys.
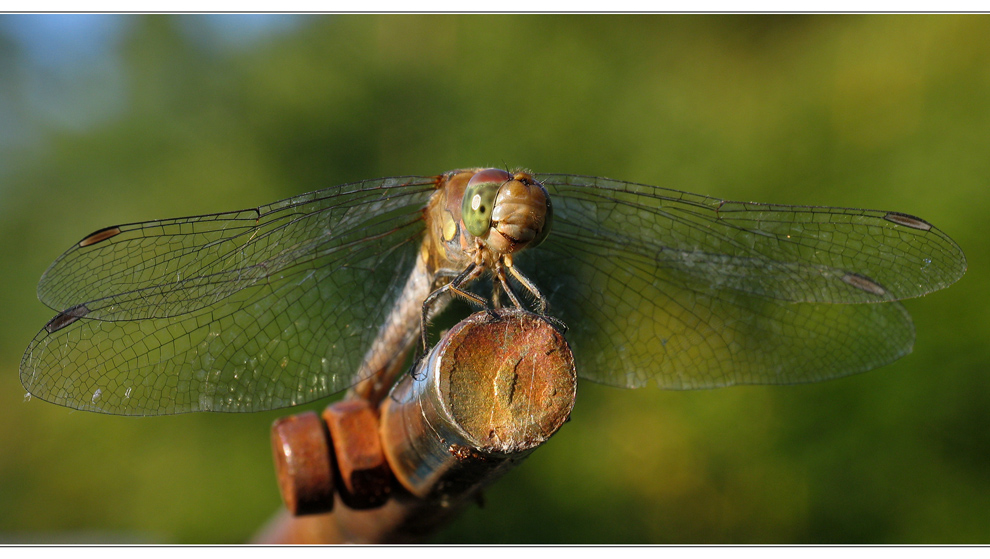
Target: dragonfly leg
{"x": 542, "y": 305}
{"x": 453, "y": 288}
{"x": 541, "y": 302}
{"x": 497, "y": 296}
{"x": 503, "y": 280}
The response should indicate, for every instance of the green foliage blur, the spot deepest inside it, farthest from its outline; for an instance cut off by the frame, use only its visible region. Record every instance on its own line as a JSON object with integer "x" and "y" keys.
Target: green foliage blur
{"x": 886, "y": 112}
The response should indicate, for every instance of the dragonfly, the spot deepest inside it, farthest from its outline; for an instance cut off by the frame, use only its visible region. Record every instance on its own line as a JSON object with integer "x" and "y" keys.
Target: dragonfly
{"x": 297, "y": 300}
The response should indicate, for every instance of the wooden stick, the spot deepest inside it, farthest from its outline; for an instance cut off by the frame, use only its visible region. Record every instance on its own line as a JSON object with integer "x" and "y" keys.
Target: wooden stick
{"x": 491, "y": 391}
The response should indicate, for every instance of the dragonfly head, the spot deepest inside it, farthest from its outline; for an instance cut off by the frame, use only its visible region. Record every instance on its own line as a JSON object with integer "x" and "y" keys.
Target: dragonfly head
{"x": 507, "y": 211}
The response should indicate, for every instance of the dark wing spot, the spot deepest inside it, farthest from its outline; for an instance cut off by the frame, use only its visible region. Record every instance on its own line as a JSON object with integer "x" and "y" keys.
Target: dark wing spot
{"x": 101, "y": 235}
{"x": 66, "y": 318}
{"x": 864, "y": 283}
{"x": 908, "y": 221}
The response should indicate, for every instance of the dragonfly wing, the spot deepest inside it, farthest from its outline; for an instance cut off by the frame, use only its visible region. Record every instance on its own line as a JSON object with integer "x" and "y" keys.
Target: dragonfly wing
{"x": 629, "y": 327}
{"x": 798, "y": 252}
{"x": 169, "y": 267}
{"x": 244, "y": 311}
{"x": 695, "y": 292}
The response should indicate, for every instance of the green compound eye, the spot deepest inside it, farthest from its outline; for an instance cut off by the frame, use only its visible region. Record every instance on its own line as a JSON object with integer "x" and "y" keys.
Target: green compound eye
{"x": 476, "y": 209}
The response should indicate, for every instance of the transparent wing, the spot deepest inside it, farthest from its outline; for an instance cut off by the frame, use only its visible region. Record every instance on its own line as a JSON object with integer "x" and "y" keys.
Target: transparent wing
{"x": 240, "y": 311}
{"x": 696, "y": 292}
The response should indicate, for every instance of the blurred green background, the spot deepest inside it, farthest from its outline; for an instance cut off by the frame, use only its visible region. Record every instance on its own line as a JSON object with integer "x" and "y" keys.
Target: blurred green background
{"x": 107, "y": 119}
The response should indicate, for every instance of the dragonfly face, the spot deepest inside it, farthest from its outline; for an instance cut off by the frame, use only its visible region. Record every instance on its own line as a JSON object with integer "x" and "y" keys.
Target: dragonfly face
{"x": 475, "y": 222}
{"x": 291, "y": 302}
{"x": 483, "y": 216}
{"x": 507, "y": 212}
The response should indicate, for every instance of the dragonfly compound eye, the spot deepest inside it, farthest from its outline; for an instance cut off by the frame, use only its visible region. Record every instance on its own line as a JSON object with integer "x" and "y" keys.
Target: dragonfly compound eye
{"x": 479, "y": 201}
{"x": 541, "y": 235}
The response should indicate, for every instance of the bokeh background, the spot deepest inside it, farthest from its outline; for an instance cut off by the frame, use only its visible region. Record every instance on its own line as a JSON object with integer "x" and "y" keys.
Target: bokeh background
{"x": 109, "y": 119}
